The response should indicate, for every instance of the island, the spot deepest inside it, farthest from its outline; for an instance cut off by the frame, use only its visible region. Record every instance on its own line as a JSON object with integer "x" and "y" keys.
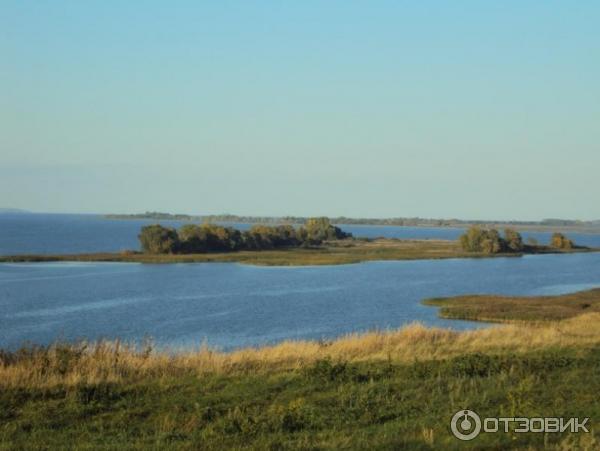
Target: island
{"x": 316, "y": 242}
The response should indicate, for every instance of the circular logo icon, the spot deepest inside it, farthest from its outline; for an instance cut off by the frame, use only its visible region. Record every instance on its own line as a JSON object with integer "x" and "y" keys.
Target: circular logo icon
{"x": 465, "y": 425}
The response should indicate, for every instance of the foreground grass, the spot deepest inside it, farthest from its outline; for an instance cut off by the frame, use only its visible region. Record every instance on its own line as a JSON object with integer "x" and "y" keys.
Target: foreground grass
{"x": 382, "y": 390}
{"x": 332, "y": 253}
{"x": 518, "y": 308}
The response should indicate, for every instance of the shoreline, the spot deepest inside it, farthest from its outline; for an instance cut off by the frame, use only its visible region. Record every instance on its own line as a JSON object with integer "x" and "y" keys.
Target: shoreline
{"x": 585, "y": 227}
{"x": 353, "y": 389}
{"x": 332, "y": 253}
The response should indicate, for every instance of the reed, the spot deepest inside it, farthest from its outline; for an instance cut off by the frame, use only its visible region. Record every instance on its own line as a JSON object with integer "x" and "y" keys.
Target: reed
{"x": 114, "y": 361}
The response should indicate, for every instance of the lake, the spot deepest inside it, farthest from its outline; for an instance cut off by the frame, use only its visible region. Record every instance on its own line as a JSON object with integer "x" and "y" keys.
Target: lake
{"x": 229, "y": 305}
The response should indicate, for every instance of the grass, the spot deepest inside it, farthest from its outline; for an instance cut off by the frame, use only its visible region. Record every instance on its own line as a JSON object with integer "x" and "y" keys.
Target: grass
{"x": 518, "y": 308}
{"x": 381, "y": 390}
{"x": 332, "y": 253}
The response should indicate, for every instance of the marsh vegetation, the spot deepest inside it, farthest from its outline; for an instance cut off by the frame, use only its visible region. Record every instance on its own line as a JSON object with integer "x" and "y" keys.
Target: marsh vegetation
{"x": 518, "y": 308}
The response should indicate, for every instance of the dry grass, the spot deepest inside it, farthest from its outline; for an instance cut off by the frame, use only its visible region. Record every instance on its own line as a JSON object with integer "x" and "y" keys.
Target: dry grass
{"x": 518, "y": 308}
{"x": 69, "y": 365}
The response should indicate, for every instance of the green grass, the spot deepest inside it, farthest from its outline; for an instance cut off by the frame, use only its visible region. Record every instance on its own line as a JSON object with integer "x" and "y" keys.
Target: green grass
{"x": 327, "y": 405}
{"x": 332, "y": 253}
{"x": 518, "y": 308}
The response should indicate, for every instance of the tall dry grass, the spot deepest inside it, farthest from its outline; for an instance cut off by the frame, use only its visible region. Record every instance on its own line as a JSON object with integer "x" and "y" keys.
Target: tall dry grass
{"x": 72, "y": 364}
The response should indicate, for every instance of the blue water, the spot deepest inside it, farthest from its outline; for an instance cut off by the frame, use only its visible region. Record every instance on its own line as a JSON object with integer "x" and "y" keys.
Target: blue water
{"x": 63, "y": 233}
{"x": 232, "y": 305}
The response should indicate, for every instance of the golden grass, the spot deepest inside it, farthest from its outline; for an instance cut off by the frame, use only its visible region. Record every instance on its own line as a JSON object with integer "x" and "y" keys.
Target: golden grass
{"x": 69, "y": 365}
{"x": 493, "y": 308}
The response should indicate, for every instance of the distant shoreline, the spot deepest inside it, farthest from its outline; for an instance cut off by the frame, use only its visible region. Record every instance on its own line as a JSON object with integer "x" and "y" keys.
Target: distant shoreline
{"x": 546, "y": 225}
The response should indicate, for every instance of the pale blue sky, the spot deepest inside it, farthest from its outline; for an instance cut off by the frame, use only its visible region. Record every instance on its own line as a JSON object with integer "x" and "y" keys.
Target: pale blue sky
{"x": 436, "y": 109}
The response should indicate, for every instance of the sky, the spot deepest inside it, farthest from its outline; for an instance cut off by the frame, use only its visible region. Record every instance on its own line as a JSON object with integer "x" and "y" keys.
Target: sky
{"x": 442, "y": 109}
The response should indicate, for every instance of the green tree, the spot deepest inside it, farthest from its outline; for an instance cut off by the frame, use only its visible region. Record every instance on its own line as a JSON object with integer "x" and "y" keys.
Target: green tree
{"x": 208, "y": 237}
{"x": 471, "y": 240}
{"x": 476, "y": 239}
{"x": 513, "y": 239}
{"x": 219, "y": 238}
{"x": 192, "y": 238}
{"x": 156, "y": 239}
{"x": 321, "y": 229}
{"x": 267, "y": 237}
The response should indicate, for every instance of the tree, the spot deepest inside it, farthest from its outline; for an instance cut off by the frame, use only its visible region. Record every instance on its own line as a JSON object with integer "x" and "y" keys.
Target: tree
{"x": 513, "y": 239}
{"x": 192, "y": 239}
{"x": 156, "y": 239}
{"x": 560, "y": 241}
{"x": 321, "y": 229}
{"x": 477, "y": 239}
{"x": 207, "y": 237}
{"x": 267, "y": 237}
{"x": 223, "y": 238}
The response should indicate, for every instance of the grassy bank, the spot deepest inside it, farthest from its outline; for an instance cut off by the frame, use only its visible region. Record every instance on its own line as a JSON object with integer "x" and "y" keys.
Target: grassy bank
{"x": 331, "y": 253}
{"x": 385, "y": 390}
{"x": 518, "y": 308}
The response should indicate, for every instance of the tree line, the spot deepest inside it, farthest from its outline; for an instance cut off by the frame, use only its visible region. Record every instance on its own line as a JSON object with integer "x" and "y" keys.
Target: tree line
{"x": 489, "y": 241}
{"x": 208, "y": 237}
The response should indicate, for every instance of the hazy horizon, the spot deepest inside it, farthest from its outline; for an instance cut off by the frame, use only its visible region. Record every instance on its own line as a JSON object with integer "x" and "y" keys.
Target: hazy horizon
{"x": 494, "y": 219}
{"x": 383, "y": 109}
